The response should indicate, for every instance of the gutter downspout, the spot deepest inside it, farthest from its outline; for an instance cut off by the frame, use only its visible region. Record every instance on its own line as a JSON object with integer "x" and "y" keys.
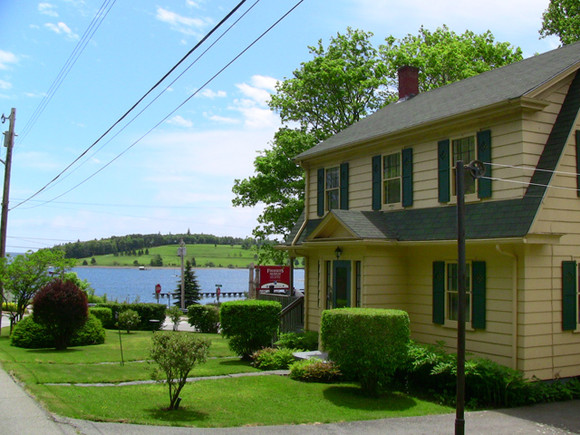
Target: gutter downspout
{"x": 514, "y": 305}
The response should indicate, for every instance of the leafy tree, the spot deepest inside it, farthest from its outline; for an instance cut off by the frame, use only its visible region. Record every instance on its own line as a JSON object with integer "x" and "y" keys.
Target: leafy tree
{"x": 174, "y": 314}
{"x": 445, "y": 57}
{"x": 156, "y": 261}
{"x": 24, "y": 275}
{"x": 343, "y": 83}
{"x": 562, "y": 18}
{"x": 176, "y": 354}
{"x": 191, "y": 288}
{"x": 129, "y": 319}
{"x": 62, "y": 308}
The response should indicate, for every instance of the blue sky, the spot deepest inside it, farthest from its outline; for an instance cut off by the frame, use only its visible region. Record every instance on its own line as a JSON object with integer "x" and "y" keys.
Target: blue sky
{"x": 179, "y": 175}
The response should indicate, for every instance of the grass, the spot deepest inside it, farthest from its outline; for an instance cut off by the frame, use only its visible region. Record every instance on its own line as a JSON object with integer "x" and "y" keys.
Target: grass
{"x": 225, "y": 402}
{"x": 205, "y": 256}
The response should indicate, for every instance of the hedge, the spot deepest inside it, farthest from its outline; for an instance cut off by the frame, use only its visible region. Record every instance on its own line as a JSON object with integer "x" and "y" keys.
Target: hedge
{"x": 250, "y": 324}
{"x": 147, "y": 312}
{"x": 367, "y": 344}
{"x": 204, "y": 318}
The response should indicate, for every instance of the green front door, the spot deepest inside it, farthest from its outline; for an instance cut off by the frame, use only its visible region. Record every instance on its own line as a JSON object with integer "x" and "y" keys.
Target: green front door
{"x": 341, "y": 284}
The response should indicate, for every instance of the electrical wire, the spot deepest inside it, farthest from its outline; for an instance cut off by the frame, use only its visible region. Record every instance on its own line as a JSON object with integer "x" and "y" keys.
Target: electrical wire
{"x": 217, "y": 26}
{"x": 241, "y": 53}
{"x": 71, "y": 61}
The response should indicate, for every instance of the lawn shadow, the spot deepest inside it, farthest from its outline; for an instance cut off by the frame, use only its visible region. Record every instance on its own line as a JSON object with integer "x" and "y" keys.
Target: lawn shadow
{"x": 183, "y": 414}
{"x": 234, "y": 363}
{"x": 52, "y": 350}
{"x": 352, "y": 397}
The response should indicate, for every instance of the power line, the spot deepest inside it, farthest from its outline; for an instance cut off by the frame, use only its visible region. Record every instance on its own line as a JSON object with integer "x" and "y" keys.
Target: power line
{"x": 241, "y": 53}
{"x": 217, "y": 26}
{"x": 72, "y": 59}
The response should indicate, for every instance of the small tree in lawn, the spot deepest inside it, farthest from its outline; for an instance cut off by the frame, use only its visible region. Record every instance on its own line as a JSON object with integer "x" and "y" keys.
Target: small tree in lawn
{"x": 62, "y": 308}
{"x": 176, "y": 354}
{"x": 191, "y": 288}
{"x": 128, "y": 320}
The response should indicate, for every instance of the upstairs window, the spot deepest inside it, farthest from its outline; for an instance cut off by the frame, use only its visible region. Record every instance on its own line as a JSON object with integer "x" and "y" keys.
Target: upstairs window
{"x": 332, "y": 188}
{"x": 392, "y": 178}
{"x": 463, "y": 149}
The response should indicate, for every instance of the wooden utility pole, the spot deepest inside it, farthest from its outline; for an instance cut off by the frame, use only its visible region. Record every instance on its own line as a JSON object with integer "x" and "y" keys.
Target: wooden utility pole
{"x": 8, "y": 143}
{"x": 181, "y": 251}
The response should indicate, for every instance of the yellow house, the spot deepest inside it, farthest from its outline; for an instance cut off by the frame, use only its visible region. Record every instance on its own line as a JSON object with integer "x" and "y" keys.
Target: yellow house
{"x": 379, "y": 225}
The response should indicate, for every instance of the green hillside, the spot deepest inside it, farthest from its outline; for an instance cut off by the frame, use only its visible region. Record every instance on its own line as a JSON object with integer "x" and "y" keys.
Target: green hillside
{"x": 208, "y": 255}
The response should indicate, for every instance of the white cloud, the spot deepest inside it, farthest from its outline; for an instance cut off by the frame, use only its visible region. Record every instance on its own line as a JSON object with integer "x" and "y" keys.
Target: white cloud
{"x": 180, "y": 121}
{"x": 61, "y": 28}
{"x": 208, "y": 93}
{"x": 180, "y": 23}
{"x": 193, "y": 4}
{"x": 221, "y": 119}
{"x": 257, "y": 95}
{"x": 4, "y": 85}
{"x": 7, "y": 58}
{"x": 264, "y": 82}
{"x": 47, "y": 9}
{"x": 254, "y": 108}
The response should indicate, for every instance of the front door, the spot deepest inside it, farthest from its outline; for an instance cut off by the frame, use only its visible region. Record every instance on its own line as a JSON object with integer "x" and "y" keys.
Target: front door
{"x": 341, "y": 283}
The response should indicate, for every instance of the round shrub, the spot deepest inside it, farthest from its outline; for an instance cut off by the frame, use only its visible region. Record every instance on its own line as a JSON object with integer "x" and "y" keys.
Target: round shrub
{"x": 104, "y": 314}
{"x": 367, "y": 344}
{"x": 250, "y": 325}
{"x": 204, "y": 318}
{"x": 315, "y": 370}
{"x": 92, "y": 332}
{"x": 307, "y": 340}
{"x": 62, "y": 308}
{"x": 30, "y": 335}
{"x": 273, "y": 359}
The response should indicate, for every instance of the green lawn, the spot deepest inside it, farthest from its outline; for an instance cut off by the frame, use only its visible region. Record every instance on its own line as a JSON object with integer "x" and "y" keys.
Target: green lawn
{"x": 224, "y": 402}
{"x": 205, "y": 255}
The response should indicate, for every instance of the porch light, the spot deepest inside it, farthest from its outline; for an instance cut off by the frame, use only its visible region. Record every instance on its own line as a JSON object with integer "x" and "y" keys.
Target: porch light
{"x": 338, "y": 252}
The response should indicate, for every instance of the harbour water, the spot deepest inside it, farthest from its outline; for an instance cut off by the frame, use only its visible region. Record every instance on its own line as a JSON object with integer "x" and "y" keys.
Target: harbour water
{"x": 132, "y": 284}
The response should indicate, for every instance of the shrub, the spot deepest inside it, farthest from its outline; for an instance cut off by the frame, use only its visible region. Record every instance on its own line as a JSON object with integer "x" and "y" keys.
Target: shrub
{"x": 104, "y": 314}
{"x": 30, "y": 335}
{"x": 174, "y": 314}
{"x": 176, "y": 354}
{"x": 307, "y": 340}
{"x": 9, "y": 306}
{"x": 315, "y": 370}
{"x": 152, "y": 315}
{"x": 204, "y": 318}
{"x": 62, "y": 308}
{"x": 367, "y": 344}
{"x": 128, "y": 320}
{"x": 250, "y": 324}
{"x": 272, "y": 359}
{"x": 92, "y": 332}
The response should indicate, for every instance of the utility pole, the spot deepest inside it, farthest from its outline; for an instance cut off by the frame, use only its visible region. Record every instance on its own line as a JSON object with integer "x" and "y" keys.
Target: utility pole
{"x": 8, "y": 143}
{"x": 181, "y": 251}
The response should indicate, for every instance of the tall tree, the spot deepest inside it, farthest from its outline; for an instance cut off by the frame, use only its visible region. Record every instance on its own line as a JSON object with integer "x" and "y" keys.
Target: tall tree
{"x": 445, "y": 57}
{"x": 343, "y": 83}
{"x": 191, "y": 288}
{"x": 562, "y": 18}
{"x": 26, "y": 274}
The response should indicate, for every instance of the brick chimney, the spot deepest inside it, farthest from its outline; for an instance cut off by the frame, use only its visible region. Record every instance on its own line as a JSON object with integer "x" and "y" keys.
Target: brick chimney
{"x": 408, "y": 82}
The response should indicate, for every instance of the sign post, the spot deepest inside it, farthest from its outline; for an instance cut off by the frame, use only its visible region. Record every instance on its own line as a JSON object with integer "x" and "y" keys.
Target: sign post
{"x": 157, "y": 291}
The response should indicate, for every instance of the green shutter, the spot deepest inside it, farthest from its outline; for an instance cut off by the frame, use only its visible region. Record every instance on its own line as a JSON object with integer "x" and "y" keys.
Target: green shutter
{"x": 578, "y": 162}
{"x": 439, "y": 292}
{"x": 320, "y": 199}
{"x": 568, "y": 295}
{"x": 443, "y": 167}
{"x": 407, "y": 156}
{"x": 478, "y": 294}
{"x": 484, "y": 155}
{"x": 377, "y": 182}
{"x": 344, "y": 186}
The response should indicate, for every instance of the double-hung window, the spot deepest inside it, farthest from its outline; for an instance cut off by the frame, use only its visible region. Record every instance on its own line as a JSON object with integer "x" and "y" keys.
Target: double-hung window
{"x": 463, "y": 149}
{"x": 332, "y": 188}
{"x": 452, "y": 292}
{"x": 392, "y": 178}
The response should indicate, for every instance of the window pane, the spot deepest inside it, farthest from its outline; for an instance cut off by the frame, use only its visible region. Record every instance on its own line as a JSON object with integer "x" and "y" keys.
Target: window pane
{"x": 332, "y": 178}
{"x": 332, "y": 199}
{"x": 453, "y": 305}
{"x": 392, "y": 165}
{"x": 464, "y": 150}
{"x": 392, "y": 190}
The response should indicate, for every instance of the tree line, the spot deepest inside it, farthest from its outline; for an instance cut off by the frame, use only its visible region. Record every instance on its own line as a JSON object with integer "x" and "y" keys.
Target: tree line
{"x": 142, "y": 242}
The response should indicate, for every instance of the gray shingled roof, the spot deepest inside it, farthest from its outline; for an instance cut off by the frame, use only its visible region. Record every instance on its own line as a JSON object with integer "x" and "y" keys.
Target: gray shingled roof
{"x": 502, "y": 84}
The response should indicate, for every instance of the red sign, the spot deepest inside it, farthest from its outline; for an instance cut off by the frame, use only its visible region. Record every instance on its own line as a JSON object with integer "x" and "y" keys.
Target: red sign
{"x": 277, "y": 276}
{"x": 158, "y": 288}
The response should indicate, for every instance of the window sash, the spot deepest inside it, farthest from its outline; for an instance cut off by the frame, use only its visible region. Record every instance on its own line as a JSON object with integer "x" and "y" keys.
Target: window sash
{"x": 332, "y": 188}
